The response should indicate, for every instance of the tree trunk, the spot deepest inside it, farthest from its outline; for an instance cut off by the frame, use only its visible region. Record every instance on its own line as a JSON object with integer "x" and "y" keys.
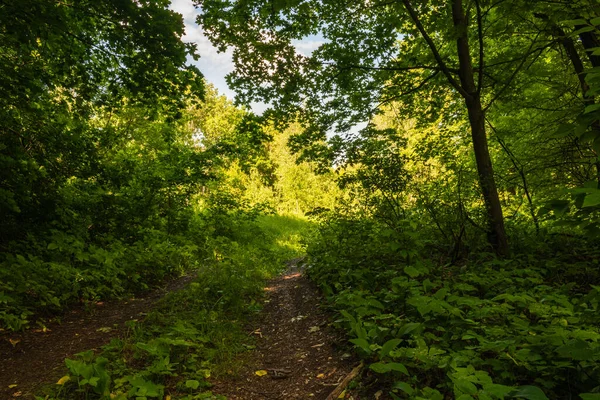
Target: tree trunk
{"x": 590, "y": 41}
{"x": 496, "y": 232}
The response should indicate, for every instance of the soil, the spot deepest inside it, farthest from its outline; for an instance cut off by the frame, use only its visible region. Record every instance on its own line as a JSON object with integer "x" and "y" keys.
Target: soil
{"x": 295, "y": 345}
{"x": 35, "y": 357}
{"x": 297, "y": 356}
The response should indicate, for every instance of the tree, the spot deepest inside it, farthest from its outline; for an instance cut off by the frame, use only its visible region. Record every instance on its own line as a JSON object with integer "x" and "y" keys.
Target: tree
{"x": 374, "y": 53}
{"x": 64, "y": 64}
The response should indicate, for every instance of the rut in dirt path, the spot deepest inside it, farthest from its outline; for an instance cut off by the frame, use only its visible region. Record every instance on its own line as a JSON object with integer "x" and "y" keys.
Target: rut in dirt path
{"x": 33, "y": 358}
{"x": 295, "y": 346}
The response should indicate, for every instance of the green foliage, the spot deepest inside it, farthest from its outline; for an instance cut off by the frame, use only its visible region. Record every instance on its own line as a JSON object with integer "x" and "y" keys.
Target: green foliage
{"x": 486, "y": 328}
{"x": 194, "y": 332}
{"x": 96, "y": 174}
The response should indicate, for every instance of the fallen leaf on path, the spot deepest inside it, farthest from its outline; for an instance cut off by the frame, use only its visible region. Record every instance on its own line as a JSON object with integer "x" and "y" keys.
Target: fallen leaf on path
{"x": 17, "y": 394}
{"x": 313, "y": 329}
{"x": 14, "y": 342}
{"x": 105, "y": 329}
{"x": 14, "y": 385}
{"x": 318, "y": 345}
{"x": 63, "y": 380}
{"x": 320, "y": 376}
{"x": 260, "y": 372}
{"x": 378, "y": 394}
{"x": 342, "y": 395}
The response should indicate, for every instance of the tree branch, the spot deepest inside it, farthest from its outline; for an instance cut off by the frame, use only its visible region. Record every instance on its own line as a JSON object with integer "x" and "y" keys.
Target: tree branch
{"x": 410, "y": 91}
{"x": 384, "y": 68}
{"x": 512, "y": 76}
{"x": 436, "y": 54}
{"x": 481, "y": 51}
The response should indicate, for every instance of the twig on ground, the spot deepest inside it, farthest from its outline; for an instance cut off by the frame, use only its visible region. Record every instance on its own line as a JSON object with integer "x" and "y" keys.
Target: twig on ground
{"x": 340, "y": 388}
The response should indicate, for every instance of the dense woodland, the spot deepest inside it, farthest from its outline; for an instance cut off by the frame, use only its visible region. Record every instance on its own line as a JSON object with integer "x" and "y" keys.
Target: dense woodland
{"x": 437, "y": 161}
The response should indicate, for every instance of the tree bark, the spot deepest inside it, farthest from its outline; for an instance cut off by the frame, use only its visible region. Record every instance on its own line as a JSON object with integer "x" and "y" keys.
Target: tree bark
{"x": 472, "y": 96}
{"x": 496, "y": 232}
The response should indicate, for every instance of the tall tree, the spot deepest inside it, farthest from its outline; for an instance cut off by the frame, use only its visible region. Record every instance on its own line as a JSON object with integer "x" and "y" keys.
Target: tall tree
{"x": 374, "y": 52}
{"x": 64, "y": 63}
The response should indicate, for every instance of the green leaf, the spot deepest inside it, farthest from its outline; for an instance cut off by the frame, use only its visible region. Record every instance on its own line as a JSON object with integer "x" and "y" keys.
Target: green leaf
{"x": 382, "y": 368}
{"x": 412, "y": 271}
{"x": 575, "y": 22}
{"x": 595, "y": 21}
{"x": 464, "y": 386}
{"x": 591, "y": 200}
{"x": 408, "y": 328}
{"x": 389, "y": 346}
{"x": 576, "y": 349}
{"x": 192, "y": 384}
{"x": 405, "y": 387}
{"x": 496, "y": 390}
{"x": 564, "y": 130}
{"x": 583, "y": 30}
{"x": 591, "y": 108}
{"x": 529, "y": 393}
{"x": 590, "y": 396}
{"x": 399, "y": 368}
{"x": 362, "y": 343}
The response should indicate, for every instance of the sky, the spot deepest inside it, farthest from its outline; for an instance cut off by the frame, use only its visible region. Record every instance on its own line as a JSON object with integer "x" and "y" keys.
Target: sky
{"x": 215, "y": 65}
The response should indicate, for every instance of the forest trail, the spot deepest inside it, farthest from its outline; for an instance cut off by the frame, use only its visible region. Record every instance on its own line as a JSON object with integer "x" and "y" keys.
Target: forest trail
{"x": 296, "y": 355}
{"x": 34, "y": 357}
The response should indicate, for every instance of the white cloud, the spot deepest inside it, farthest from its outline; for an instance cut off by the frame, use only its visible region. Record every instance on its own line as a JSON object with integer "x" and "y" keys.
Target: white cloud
{"x": 185, "y": 8}
{"x": 307, "y": 46}
{"x": 214, "y": 65}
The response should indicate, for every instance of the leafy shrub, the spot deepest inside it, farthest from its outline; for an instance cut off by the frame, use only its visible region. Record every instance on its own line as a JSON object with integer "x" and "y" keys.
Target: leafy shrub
{"x": 487, "y": 329}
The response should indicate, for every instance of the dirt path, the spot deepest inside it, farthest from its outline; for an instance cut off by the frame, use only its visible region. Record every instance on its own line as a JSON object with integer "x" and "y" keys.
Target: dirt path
{"x": 295, "y": 346}
{"x": 34, "y": 357}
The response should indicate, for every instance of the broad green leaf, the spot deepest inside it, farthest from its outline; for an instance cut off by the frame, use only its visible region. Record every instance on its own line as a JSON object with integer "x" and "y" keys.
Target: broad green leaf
{"x": 398, "y": 367}
{"x": 408, "y": 328}
{"x": 192, "y": 384}
{"x": 382, "y": 368}
{"x": 590, "y": 396}
{"x": 592, "y": 199}
{"x": 465, "y": 386}
{"x": 411, "y": 271}
{"x": 389, "y": 346}
{"x": 574, "y": 22}
{"x": 405, "y": 387}
{"x": 362, "y": 343}
{"x": 576, "y": 349}
{"x": 496, "y": 390}
{"x": 592, "y": 108}
{"x": 583, "y": 30}
{"x": 529, "y": 393}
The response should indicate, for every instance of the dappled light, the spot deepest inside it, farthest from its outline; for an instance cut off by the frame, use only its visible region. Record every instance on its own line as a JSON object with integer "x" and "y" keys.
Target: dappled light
{"x": 414, "y": 214}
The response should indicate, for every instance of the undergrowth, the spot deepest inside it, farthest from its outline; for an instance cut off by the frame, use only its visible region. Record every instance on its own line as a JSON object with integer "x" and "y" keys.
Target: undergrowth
{"x": 195, "y": 332}
{"x": 481, "y": 328}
